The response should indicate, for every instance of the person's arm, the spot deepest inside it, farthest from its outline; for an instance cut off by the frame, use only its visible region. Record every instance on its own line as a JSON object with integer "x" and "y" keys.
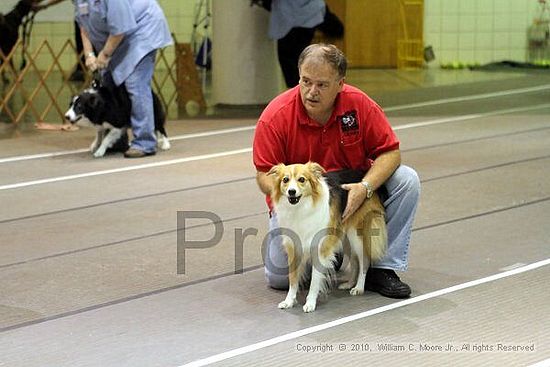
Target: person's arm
{"x": 44, "y": 4}
{"x": 112, "y": 43}
{"x": 382, "y": 168}
{"x": 268, "y": 149}
{"x": 264, "y": 182}
{"x": 89, "y": 55}
{"x": 110, "y": 46}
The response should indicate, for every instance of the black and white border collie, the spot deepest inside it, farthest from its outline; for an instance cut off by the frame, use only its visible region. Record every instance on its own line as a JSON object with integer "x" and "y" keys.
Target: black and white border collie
{"x": 309, "y": 202}
{"x": 108, "y": 109}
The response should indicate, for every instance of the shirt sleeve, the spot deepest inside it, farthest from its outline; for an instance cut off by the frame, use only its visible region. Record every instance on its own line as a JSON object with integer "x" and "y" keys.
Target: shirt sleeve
{"x": 268, "y": 147}
{"x": 120, "y": 17}
{"x": 379, "y": 134}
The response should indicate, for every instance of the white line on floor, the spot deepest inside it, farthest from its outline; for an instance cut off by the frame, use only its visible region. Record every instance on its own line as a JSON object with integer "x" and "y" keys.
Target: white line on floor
{"x": 173, "y": 138}
{"x": 247, "y": 128}
{"x": 314, "y": 329}
{"x": 125, "y": 169}
{"x": 469, "y": 117}
{"x": 213, "y": 133}
{"x": 249, "y": 149}
{"x": 42, "y": 155}
{"x": 544, "y": 363}
{"x": 512, "y": 267}
{"x": 85, "y": 150}
{"x": 469, "y": 98}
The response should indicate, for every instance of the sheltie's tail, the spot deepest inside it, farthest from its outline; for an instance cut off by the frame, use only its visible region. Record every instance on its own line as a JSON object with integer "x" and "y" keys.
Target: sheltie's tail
{"x": 375, "y": 236}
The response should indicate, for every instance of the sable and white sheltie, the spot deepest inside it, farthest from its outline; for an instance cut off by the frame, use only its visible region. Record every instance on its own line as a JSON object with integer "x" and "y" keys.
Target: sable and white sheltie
{"x": 309, "y": 203}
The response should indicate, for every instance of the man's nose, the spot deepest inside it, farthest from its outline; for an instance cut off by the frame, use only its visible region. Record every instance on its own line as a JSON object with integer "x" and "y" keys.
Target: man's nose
{"x": 314, "y": 90}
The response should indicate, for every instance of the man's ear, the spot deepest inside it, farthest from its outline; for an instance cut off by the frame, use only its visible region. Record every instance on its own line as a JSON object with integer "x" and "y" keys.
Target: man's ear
{"x": 316, "y": 168}
{"x": 341, "y": 83}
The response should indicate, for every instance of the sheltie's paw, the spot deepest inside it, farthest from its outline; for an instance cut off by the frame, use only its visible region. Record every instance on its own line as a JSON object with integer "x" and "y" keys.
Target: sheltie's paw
{"x": 287, "y": 304}
{"x": 356, "y": 291}
{"x": 309, "y": 306}
{"x": 345, "y": 286}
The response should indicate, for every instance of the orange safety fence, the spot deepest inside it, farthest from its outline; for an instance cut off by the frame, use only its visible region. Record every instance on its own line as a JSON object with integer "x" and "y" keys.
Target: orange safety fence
{"x": 410, "y": 48}
{"x": 40, "y": 90}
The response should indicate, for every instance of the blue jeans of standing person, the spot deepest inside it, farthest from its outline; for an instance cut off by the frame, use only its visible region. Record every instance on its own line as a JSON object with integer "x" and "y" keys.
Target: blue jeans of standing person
{"x": 401, "y": 201}
{"x": 138, "y": 85}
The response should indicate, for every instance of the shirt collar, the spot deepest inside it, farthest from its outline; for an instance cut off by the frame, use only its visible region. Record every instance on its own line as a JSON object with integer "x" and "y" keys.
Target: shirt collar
{"x": 304, "y": 119}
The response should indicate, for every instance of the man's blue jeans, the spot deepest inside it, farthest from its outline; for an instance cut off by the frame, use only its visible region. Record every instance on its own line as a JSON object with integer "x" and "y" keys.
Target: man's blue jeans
{"x": 138, "y": 85}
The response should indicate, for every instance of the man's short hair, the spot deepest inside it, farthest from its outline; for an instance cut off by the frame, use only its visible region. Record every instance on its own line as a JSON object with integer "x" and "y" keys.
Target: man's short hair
{"x": 328, "y": 53}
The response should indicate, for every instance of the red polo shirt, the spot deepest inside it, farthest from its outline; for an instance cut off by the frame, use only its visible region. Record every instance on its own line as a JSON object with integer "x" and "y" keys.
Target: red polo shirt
{"x": 356, "y": 133}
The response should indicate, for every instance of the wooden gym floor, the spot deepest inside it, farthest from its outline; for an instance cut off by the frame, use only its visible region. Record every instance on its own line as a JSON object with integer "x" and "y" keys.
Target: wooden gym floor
{"x": 88, "y": 246}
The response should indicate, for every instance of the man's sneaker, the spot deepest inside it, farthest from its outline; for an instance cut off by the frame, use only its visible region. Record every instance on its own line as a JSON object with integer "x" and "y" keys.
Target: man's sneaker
{"x": 136, "y": 153}
{"x": 387, "y": 283}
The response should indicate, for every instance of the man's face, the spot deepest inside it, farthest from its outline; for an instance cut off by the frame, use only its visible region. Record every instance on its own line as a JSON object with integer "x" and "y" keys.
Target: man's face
{"x": 319, "y": 86}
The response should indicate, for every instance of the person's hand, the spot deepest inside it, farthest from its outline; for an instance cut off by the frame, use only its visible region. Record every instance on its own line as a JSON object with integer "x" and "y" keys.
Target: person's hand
{"x": 103, "y": 60}
{"x": 37, "y": 7}
{"x": 91, "y": 62}
{"x": 357, "y": 193}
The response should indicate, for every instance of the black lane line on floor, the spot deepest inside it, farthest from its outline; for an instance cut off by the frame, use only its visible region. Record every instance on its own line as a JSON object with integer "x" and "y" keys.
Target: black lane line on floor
{"x": 206, "y": 186}
{"x": 137, "y": 238}
{"x": 481, "y": 169}
{"x": 478, "y": 215}
{"x": 125, "y": 299}
{"x": 245, "y": 270}
{"x": 464, "y": 90}
{"x": 4, "y": 266}
{"x": 473, "y": 140}
{"x": 33, "y": 216}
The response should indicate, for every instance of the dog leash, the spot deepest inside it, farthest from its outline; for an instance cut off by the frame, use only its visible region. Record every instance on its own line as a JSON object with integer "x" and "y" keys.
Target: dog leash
{"x": 26, "y": 30}
{"x": 97, "y": 78}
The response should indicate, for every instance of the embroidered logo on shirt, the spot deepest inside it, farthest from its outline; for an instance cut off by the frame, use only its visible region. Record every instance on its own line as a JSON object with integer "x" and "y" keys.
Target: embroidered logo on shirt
{"x": 348, "y": 122}
{"x": 349, "y": 127}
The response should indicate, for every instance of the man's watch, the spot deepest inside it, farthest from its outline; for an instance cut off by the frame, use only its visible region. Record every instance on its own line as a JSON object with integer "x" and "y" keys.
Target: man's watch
{"x": 370, "y": 191}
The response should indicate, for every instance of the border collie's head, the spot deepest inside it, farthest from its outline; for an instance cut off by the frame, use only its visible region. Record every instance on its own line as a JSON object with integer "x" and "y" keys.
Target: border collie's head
{"x": 85, "y": 108}
{"x": 296, "y": 181}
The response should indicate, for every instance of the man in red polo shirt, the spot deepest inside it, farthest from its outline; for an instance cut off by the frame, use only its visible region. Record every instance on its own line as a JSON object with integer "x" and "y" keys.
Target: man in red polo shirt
{"x": 338, "y": 126}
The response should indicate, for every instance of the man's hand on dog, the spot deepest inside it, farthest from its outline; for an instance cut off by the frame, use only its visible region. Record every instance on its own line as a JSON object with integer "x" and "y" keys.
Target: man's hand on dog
{"x": 102, "y": 60}
{"x": 357, "y": 193}
{"x": 91, "y": 63}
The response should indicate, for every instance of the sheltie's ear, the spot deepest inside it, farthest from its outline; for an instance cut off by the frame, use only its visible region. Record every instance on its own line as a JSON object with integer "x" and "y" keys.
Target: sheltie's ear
{"x": 275, "y": 170}
{"x": 316, "y": 169}
{"x": 275, "y": 173}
